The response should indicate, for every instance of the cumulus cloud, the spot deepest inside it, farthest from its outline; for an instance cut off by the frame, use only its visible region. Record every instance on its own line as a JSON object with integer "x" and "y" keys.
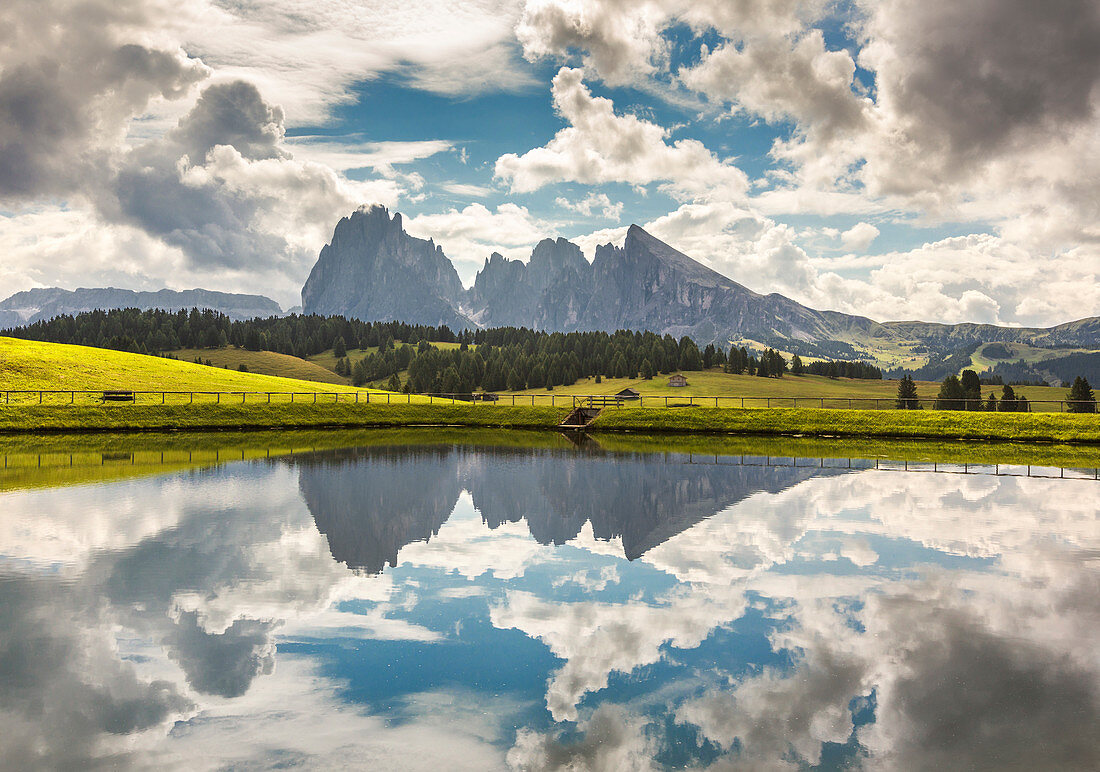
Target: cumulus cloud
{"x": 597, "y": 204}
{"x": 72, "y": 76}
{"x": 779, "y": 79}
{"x": 602, "y": 146}
{"x": 620, "y": 41}
{"x": 859, "y": 236}
{"x": 470, "y": 234}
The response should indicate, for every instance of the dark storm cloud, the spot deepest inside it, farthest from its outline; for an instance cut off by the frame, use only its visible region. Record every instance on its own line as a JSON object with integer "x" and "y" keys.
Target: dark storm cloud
{"x": 978, "y": 75}
{"x": 212, "y": 222}
{"x": 231, "y": 114}
{"x": 69, "y": 83}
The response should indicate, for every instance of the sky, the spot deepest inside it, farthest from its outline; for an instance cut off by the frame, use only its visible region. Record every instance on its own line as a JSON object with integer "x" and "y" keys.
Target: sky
{"x": 897, "y": 159}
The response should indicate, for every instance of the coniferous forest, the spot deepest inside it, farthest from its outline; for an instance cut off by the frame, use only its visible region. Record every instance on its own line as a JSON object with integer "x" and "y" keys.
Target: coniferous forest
{"x": 492, "y": 359}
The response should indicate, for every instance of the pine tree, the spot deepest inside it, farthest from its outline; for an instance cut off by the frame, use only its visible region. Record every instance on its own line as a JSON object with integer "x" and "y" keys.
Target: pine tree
{"x": 796, "y": 365}
{"x": 394, "y": 384}
{"x": 1008, "y": 400}
{"x": 1080, "y": 396}
{"x": 972, "y": 390}
{"x": 952, "y": 396}
{"x": 991, "y": 403}
{"x": 647, "y": 369}
{"x": 907, "y": 394}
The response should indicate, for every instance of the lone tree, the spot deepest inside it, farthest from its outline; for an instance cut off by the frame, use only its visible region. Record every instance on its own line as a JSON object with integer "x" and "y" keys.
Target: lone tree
{"x": 972, "y": 386}
{"x": 907, "y": 394}
{"x": 797, "y": 368}
{"x": 1080, "y": 397}
{"x": 952, "y": 395}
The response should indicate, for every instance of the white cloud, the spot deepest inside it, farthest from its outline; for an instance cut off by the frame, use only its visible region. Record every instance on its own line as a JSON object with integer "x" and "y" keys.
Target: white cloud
{"x": 859, "y": 236}
{"x": 600, "y": 146}
{"x": 597, "y": 204}
{"x": 621, "y": 41}
{"x": 382, "y": 157}
{"x": 309, "y": 58}
{"x": 470, "y": 235}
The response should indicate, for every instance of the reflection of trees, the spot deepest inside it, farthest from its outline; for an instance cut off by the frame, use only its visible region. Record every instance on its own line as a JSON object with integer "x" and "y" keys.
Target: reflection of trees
{"x": 371, "y": 503}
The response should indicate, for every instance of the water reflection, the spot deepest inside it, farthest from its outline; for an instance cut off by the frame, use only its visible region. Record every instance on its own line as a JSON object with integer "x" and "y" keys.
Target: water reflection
{"x": 480, "y": 608}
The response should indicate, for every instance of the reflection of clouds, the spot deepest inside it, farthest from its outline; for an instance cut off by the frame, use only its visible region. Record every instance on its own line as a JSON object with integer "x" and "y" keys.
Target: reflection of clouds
{"x": 978, "y": 669}
{"x": 204, "y": 568}
{"x": 114, "y": 635}
{"x": 613, "y": 740}
{"x": 597, "y": 639}
{"x": 466, "y": 546}
{"x": 1025, "y": 626}
{"x": 296, "y": 718}
{"x": 66, "y": 695}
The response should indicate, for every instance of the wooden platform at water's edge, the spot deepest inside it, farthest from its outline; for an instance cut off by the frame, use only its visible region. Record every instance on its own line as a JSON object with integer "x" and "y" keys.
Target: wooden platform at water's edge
{"x": 579, "y": 418}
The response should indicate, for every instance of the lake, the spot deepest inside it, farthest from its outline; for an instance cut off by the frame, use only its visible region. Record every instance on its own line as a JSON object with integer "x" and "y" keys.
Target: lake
{"x": 442, "y": 602}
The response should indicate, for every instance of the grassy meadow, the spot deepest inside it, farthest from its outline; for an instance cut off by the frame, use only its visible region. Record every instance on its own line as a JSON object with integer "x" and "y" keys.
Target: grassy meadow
{"x": 714, "y": 383}
{"x": 32, "y": 365}
{"x": 263, "y": 363}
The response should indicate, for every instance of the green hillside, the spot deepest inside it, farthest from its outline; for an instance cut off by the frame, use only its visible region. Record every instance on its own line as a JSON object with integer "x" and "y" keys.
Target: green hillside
{"x": 32, "y": 365}
{"x": 263, "y": 363}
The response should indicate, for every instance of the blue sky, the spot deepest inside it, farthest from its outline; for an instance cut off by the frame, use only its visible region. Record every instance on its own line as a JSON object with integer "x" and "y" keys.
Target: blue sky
{"x": 900, "y": 159}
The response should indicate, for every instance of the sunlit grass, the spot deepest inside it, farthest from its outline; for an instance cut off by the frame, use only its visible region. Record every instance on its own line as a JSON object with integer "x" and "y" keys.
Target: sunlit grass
{"x": 756, "y": 391}
{"x": 31, "y": 366}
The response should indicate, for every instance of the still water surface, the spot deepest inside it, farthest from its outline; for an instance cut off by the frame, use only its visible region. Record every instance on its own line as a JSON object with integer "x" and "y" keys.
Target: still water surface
{"x": 478, "y": 608}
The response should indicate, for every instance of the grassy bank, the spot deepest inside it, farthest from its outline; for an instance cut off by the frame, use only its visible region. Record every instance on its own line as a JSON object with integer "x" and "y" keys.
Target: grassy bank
{"x": 923, "y": 424}
{"x": 212, "y": 417}
{"x": 917, "y": 424}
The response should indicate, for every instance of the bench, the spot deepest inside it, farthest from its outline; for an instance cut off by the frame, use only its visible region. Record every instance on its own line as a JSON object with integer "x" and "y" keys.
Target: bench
{"x": 604, "y": 401}
{"x": 117, "y": 396}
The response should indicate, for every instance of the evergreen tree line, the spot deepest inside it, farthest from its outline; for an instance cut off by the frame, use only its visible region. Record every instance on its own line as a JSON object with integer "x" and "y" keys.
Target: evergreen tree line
{"x": 965, "y": 393}
{"x": 515, "y": 359}
{"x": 492, "y": 359}
{"x": 835, "y": 369}
{"x": 154, "y": 331}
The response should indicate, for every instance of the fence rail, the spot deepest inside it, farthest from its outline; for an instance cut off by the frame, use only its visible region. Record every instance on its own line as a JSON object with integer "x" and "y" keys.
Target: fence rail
{"x": 94, "y": 396}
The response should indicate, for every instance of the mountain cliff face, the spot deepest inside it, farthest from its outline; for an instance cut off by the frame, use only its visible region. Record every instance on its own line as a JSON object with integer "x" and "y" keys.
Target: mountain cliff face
{"x": 40, "y": 304}
{"x": 373, "y": 270}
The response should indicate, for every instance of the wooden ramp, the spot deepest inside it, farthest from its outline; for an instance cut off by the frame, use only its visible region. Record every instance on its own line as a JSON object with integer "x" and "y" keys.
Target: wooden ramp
{"x": 579, "y": 418}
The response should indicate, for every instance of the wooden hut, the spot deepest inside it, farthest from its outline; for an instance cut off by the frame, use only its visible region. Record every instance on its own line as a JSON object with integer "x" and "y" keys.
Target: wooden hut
{"x": 677, "y": 380}
{"x": 628, "y": 393}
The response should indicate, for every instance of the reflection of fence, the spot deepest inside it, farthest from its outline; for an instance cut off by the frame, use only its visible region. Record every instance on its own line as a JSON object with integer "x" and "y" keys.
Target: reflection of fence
{"x": 171, "y": 458}
{"x": 78, "y": 396}
{"x": 887, "y": 465}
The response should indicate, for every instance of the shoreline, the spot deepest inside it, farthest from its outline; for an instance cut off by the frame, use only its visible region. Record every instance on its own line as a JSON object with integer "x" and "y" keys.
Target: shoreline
{"x": 1062, "y": 428}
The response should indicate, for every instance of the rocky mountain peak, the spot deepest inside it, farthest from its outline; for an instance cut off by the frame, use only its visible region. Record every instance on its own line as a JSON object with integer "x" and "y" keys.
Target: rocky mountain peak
{"x": 373, "y": 270}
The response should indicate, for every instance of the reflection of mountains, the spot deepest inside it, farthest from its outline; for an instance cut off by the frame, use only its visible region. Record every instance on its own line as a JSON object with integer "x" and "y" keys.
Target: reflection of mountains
{"x": 370, "y": 503}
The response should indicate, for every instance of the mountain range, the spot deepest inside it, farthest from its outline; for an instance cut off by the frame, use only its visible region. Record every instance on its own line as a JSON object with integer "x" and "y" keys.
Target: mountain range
{"x": 375, "y": 271}
{"x": 34, "y": 305}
